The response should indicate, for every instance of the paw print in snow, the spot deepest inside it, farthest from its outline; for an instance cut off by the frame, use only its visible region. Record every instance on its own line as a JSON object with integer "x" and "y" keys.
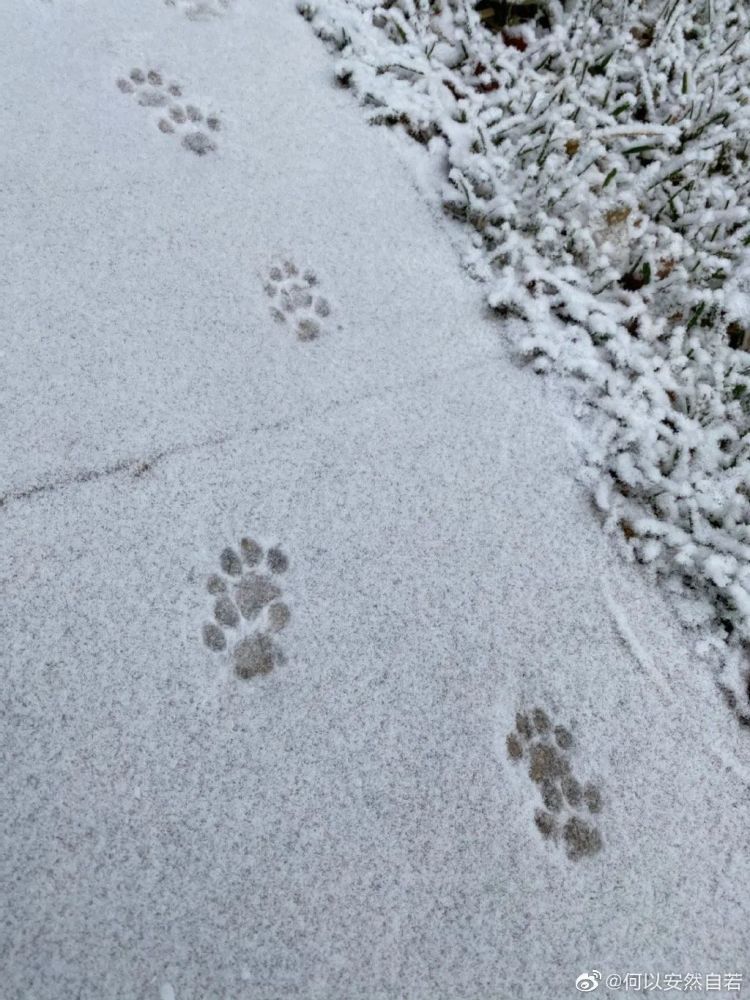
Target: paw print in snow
{"x": 198, "y": 130}
{"x": 199, "y": 10}
{"x": 248, "y": 607}
{"x": 296, "y": 299}
{"x": 546, "y": 748}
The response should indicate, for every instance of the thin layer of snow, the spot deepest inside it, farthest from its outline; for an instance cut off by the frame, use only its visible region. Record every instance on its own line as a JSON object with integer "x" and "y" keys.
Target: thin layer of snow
{"x": 348, "y": 826}
{"x": 600, "y": 167}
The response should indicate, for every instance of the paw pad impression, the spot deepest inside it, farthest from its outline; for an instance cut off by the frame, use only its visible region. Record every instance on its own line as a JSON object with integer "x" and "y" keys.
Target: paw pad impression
{"x": 200, "y": 10}
{"x": 196, "y": 129}
{"x": 567, "y": 803}
{"x": 296, "y": 299}
{"x": 247, "y": 607}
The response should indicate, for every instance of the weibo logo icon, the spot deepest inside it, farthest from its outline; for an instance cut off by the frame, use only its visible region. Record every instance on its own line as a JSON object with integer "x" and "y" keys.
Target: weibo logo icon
{"x": 587, "y": 982}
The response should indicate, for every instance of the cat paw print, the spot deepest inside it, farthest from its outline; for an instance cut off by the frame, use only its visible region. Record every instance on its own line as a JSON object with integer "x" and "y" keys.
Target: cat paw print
{"x": 196, "y": 129}
{"x": 248, "y": 607}
{"x": 199, "y": 10}
{"x": 567, "y": 804}
{"x": 297, "y": 300}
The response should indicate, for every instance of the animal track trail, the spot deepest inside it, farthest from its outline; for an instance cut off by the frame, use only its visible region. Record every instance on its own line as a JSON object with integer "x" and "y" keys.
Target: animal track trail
{"x": 196, "y": 129}
{"x": 567, "y": 803}
{"x": 297, "y": 300}
{"x": 200, "y": 10}
{"x": 248, "y": 607}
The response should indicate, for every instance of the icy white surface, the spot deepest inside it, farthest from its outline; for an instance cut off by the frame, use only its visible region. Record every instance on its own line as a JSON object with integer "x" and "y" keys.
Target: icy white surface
{"x": 599, "y": 166}
{"x": 348, "y": 826}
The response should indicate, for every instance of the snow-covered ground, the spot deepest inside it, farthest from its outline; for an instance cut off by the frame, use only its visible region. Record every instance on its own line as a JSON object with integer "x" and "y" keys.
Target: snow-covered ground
{"x": 351, "y": 824}
{"x": 597, "y": 157}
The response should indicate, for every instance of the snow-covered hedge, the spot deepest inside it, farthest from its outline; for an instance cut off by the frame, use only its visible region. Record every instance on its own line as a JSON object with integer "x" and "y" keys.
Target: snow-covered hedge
{"x": 598, "y": 153}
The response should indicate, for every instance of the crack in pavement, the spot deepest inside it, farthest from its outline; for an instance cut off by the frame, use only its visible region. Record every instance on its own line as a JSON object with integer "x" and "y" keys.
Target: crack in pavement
{"x": 138, "y": 467}
{"x": 135, "y": 466}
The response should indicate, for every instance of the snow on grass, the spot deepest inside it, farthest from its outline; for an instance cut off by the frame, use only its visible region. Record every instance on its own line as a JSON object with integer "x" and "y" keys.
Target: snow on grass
{"x": 597, "y": 153}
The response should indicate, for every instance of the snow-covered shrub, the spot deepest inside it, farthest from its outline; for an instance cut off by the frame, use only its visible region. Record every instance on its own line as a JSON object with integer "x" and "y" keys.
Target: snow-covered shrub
{"x": 598, "y": 152}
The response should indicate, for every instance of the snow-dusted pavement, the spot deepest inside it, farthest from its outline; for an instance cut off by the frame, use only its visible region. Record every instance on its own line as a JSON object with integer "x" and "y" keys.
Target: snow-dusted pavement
{"x": 347, "y": 826}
